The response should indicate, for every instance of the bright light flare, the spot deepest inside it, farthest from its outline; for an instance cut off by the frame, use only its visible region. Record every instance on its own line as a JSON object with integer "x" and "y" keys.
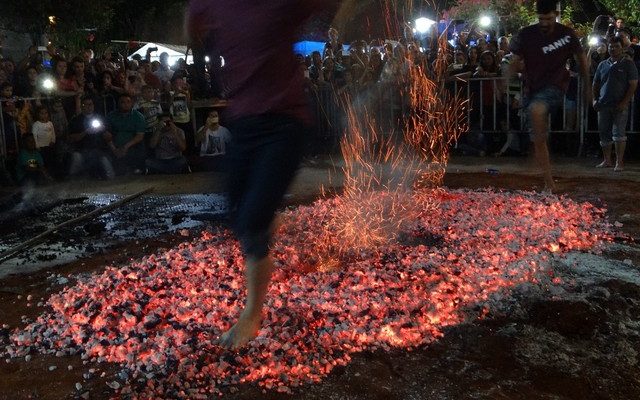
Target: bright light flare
{"x": 485, "y": 21}
{"x": 96, "y": 124}
{"x": 48, "y": 84}
{"x": 423, "y": 24}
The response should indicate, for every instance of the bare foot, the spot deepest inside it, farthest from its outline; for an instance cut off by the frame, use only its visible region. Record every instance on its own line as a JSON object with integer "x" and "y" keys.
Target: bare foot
{"x": 244, "y": 330}
{"x": 604, "y": 164}
{"x": 549, "y": 185}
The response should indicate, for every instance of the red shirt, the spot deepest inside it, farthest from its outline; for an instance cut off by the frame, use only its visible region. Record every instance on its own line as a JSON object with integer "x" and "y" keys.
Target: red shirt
{"x": 545, "y": 56}
{"x": 255, "y": 39}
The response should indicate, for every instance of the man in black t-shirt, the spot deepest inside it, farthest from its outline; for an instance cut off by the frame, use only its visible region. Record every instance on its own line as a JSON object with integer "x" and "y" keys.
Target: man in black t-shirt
{"x": 545, "y": 48}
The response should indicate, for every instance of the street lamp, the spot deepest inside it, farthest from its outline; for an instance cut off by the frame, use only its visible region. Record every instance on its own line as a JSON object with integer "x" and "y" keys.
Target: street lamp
{"x": 423, "y": 24}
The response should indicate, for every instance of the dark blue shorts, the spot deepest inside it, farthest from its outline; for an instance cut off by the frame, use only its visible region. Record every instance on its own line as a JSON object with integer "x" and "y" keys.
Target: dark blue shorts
{"x": 262, "y": 159}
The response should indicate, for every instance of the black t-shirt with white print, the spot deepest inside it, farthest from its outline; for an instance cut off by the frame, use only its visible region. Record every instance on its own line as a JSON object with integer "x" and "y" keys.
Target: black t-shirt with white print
{"x": 545, "y": 55}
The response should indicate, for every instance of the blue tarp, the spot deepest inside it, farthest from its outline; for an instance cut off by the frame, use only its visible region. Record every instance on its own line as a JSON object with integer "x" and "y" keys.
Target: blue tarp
{"x": 307, "y": 47}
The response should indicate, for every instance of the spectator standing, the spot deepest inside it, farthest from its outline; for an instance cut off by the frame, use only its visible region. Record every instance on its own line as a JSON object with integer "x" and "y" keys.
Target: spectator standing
{"x": 9, "y": 68}
{"x": 180, "y": 110}
{"x": 168, "y": 142}
{"x": 376, "y": 64}
{"x": 125, "y": 137}
{"x": 86, "y": 135}
{"x": 107, "y": 97}
{"x": 614, "y": 85}
{"x": 334, "y": 42}
{"x": 9, "y": 115}
{"x": 315, "y": 69}
{"x": 164, "y": 72}
{"x": 44, "y": 134}
{"x": 149, "y": 77}
{"x": 545, "y": 48}
{"x": 61, "y": 128}
{"x": 28, "y": 83}
{"x": 472, "y": 58}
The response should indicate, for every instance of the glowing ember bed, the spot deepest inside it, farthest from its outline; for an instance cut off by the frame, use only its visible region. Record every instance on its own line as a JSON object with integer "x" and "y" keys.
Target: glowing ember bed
{"x": 332, "y": 295}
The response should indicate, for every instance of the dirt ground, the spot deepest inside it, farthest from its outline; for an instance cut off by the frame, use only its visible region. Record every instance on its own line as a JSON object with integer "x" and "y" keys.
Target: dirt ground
{"x": 581, "y": 345}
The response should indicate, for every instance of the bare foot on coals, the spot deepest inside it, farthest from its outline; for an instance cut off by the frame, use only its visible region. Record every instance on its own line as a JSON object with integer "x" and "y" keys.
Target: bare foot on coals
{"x": 244, "y": 331}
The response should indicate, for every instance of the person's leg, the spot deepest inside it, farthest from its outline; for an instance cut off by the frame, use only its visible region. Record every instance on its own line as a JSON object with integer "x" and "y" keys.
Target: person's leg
{"x": 154, "y": 165}
{"x": 539, "y": 115}
{"x": 75, "y": 165}
{"x": 106, "y": 167}
{"x": 258, "y": 276}
{"x": 605, "y": 126}
{"x": 274, "y": 149}
{"x": 620, "y": 147}
{"x": 620, "y": 138}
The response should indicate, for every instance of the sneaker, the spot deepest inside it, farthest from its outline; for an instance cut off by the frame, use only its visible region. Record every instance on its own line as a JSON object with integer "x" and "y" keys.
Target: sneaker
{"x": 618, "y": 168}
{"x": 604, "y": 164}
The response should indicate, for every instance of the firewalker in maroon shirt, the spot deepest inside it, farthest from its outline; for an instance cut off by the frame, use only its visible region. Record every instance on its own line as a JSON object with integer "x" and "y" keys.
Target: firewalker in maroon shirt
{"x": 545, "y": 55}
{"x": 255, "y": 38}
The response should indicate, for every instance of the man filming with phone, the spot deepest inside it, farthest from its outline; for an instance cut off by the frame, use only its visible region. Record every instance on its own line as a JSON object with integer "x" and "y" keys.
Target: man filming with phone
{"x": 90, "y": 154}
{"x": 168, "y": 142}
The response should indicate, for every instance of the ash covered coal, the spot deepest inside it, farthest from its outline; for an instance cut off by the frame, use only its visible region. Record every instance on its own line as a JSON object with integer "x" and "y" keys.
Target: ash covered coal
{"x": 144, "y": 218}
{"x": 158, "y": 317}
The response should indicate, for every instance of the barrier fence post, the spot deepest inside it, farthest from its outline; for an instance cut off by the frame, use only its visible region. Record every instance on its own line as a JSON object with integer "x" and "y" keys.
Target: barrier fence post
{"x": 3, "y": 145}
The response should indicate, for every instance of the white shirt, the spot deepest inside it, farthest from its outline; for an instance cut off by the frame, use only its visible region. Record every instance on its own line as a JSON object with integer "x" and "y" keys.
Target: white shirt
{"x": 43, "y": 133}
{"x": 214, "y": 143}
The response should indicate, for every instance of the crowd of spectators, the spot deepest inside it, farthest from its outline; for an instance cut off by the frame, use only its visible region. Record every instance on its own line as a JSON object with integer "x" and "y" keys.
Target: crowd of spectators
{"x": 96, "y": 116}
{"x": 107, "y": 115}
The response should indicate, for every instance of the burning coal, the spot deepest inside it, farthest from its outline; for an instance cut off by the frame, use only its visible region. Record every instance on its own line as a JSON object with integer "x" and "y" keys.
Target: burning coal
{"x": 157, "y": 317}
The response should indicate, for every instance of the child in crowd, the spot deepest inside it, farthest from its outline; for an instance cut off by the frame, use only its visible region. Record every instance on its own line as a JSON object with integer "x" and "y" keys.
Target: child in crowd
{"x": 31, "y": 167}
{"x": 150, "y": 108}
{"x": 212, "y": 139}
{"x": 44, "y": 135}
{"x": 180, "y": 103}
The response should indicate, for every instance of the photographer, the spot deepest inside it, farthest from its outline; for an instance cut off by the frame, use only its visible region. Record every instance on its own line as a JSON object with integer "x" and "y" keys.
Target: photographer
{"x": 168, "y": 142}
{"x": 90, "y": 149}
{"x": 596, "y": 54}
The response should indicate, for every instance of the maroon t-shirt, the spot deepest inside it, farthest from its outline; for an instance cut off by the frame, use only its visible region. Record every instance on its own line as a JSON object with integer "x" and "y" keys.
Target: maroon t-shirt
{"x": 545, "y": 56}
{"x": 255, "y": 38}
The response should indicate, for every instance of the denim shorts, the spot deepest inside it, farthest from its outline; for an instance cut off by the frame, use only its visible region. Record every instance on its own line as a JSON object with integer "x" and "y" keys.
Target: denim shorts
{"x": 262, "y": 159}
{"x": 551, "y": 96}
{"x": 612, "y": 125}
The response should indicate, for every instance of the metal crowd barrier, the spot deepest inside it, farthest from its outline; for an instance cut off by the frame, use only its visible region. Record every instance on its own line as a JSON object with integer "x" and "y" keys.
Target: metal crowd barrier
{"x": 487, "y": 114}
{"x": 104, "y": 104}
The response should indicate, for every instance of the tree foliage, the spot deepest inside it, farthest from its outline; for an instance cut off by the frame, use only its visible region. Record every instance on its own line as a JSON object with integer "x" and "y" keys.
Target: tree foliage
{"x": 71, "y": 17}
{"x": 514, "y": 14}
{"x": 629, "y": 10}
{"x": 150, "y": 20}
